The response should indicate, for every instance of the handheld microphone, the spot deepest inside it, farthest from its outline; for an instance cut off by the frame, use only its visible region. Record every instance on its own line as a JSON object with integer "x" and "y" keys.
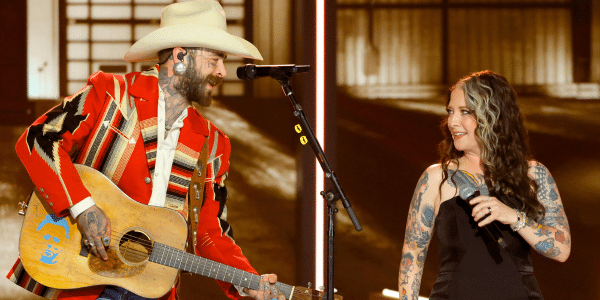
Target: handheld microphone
{"x": 249, "y": 72}
{"x": 492, "y": 229}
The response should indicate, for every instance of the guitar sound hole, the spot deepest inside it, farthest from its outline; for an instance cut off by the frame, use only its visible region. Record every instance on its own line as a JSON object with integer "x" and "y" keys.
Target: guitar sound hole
{"x": 135, "y": 247}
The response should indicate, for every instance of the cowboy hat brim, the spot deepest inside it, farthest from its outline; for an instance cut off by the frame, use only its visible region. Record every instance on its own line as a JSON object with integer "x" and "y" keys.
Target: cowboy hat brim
{"x": 189, "y": 35}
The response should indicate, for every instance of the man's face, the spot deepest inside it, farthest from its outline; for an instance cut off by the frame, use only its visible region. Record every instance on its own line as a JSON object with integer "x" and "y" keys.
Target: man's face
{"x": 205, "y": 71}
{"x": 56, "y": 233}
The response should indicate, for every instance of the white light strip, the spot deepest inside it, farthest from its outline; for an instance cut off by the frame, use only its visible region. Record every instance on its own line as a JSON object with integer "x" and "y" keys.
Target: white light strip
{"x": 390, "y": 293}
{"x": 320, "y": 134}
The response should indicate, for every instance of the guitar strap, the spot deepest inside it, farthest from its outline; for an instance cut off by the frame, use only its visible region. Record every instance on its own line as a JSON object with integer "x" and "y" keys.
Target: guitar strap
{"x": 196, "y": 195}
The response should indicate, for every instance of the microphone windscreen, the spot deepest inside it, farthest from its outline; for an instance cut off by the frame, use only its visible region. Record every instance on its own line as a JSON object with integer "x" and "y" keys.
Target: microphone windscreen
{"x": 465, "y": 190}
{"x": 245, "y": 72}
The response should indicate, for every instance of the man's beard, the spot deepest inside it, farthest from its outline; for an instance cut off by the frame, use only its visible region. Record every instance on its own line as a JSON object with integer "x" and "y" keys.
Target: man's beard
{"x": 194, "y": 87}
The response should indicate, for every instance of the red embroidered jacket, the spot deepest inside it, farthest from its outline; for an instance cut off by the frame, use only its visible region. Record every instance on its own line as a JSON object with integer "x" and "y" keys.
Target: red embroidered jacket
{"x": 111, "y": 125}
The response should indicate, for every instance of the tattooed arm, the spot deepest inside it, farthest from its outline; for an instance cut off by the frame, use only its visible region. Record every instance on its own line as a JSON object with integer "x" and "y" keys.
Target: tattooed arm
{"x": 550, "y": 237}
{"x": 419, "y": 229}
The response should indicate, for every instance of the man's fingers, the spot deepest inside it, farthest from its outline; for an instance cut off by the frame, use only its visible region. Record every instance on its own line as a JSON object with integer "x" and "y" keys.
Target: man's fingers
{"x": 267, "y": 289}
{"x": 274, "y": 292}
{"x": 272, "y": 278}
{"x": 100, "y": 248}
{"x": 92, "y": 246}
{"x": 105, "y": 235}
{"x": 107, "y": 230}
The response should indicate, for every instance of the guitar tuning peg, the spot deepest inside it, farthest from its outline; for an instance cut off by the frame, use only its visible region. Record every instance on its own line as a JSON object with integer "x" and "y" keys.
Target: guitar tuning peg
{"x": 309, "y": 284}
{"x": 322, "y": 289}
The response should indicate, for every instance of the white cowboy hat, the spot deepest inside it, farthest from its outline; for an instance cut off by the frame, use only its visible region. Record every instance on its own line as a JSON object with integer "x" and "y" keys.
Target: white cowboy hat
{"x": 198, "y": 23}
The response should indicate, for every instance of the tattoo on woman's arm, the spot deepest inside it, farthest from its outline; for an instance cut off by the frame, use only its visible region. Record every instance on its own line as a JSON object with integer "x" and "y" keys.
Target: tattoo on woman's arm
{"x": 407, "y": 266}
{"x": 547, "y": 248}
{"x": 427, "y": 215}
{"x": 416, "y": 236}
{"x": 562, "y": 238}
{"x": 416, "y": 286}
{"x": 548, "y": 196}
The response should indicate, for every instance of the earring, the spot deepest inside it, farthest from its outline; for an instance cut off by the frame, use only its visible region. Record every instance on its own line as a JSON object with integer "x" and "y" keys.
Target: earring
{"x": 179, "y": 68}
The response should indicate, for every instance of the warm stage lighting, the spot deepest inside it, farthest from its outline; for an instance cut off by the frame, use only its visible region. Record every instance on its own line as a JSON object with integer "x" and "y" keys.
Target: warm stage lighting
{"x": 320, "y": 134}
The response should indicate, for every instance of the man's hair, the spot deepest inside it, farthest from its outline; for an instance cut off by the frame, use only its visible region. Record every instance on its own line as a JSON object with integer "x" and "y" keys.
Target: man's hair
{"x": 164, "y": 55}
{"x": 53, "y": 219}
{"x": 503, "y": 138}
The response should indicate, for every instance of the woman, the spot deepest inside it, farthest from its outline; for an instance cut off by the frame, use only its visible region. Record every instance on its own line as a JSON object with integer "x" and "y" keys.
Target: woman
{"x": 486, "y": 150}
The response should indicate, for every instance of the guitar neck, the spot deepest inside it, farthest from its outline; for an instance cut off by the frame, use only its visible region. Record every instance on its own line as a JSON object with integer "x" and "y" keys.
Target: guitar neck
{"x": 179, "y": 259}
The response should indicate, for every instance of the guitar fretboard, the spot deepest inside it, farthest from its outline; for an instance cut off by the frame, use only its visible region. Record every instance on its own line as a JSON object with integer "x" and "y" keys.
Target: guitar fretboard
{"x": 179, "y": 259}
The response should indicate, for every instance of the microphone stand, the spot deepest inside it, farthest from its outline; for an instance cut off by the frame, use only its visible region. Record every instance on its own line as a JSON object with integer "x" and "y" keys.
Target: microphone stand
{"x": 332, "y": 195}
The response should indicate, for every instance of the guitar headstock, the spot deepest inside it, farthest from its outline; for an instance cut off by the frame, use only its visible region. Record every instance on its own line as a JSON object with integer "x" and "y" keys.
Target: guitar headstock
{"x": 302, "y": 293}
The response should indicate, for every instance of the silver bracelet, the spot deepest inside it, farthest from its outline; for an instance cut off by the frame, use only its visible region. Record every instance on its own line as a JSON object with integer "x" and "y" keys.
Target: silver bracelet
{"x": 521, "y": 220}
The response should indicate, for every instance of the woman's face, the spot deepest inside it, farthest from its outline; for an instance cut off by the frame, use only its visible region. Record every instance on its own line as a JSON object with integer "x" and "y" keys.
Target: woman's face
{"x": 462, "y": 123}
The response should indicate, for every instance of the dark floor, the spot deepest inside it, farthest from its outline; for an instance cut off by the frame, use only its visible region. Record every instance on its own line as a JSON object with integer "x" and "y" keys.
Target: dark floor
{"x": 391, "y": 142}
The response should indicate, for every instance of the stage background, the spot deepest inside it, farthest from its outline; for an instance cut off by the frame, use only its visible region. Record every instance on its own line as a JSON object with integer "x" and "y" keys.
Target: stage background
{"x": 390, "y": 63}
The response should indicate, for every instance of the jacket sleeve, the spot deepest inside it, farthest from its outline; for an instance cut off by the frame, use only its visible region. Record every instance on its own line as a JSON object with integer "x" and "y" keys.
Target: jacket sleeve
{"x": 47, "y": 147}
{"x": 215, "y": 235}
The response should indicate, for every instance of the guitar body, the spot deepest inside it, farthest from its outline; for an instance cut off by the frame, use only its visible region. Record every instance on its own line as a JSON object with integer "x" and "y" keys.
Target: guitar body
{"x": 145, "y": 254}
{"x": 52, "y": 252}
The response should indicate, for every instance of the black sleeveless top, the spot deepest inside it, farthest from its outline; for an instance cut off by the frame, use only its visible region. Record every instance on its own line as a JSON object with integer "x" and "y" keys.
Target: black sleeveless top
{"x": 473, "y": 266}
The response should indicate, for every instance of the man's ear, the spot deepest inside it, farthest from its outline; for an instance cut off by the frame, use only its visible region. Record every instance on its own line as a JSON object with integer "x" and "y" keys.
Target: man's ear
{"x": 178, "y": 54}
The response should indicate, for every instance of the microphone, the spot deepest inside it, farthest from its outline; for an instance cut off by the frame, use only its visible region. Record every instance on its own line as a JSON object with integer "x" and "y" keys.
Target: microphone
{"x": 249, "y": 72}
{"x": 492, "y": 229}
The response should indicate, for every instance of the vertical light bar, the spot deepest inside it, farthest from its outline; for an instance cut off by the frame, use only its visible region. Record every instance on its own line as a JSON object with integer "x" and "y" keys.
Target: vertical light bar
{"x": 320, "y": 134}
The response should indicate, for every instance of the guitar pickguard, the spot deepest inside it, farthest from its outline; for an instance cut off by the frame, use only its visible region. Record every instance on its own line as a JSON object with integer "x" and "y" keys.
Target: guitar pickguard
{"x": 127, "y": 256}
{"x": 114, "y": 267}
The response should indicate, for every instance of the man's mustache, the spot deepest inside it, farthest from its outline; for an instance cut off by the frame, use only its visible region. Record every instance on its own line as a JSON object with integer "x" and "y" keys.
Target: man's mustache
{"x": 214, "y": 80}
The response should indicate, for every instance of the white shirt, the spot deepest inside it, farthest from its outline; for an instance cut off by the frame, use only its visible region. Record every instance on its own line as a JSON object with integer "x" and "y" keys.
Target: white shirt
{"x": 165, "y": 151}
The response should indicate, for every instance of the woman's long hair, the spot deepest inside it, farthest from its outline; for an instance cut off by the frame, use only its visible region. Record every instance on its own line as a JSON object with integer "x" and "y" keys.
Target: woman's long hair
{"x": 503, "y": 139}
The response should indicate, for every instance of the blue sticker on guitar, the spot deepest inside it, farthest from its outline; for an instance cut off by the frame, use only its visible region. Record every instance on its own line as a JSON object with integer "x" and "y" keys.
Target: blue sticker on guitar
{"x": 54, "y": 229}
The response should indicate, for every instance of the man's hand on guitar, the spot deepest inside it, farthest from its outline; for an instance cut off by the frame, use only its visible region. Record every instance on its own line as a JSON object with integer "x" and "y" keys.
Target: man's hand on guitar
{"x": 266, "y": 289}
{"x": 95, "y": 227}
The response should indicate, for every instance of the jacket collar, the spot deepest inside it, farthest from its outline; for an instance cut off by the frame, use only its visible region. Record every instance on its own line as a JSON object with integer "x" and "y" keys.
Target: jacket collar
{"x": 145, "y": 85}
{"x": 197, "y": 121}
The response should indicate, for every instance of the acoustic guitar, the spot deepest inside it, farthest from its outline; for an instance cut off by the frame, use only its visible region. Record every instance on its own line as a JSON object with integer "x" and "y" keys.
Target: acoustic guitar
{"x": 146, "y": 252}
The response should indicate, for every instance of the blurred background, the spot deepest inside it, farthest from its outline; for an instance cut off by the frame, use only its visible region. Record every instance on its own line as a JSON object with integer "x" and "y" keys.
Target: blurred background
{"x": 388, "y": 66}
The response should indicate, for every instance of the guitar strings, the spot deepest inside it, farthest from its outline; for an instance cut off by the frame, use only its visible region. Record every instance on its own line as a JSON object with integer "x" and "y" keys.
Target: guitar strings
{"x": 137, "y": 254}
{"x": 117, "y": 235}
{"x": 134, "y": 253}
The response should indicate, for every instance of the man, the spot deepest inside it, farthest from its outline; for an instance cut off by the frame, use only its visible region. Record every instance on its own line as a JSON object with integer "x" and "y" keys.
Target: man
{"x": 143, "y": 133}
